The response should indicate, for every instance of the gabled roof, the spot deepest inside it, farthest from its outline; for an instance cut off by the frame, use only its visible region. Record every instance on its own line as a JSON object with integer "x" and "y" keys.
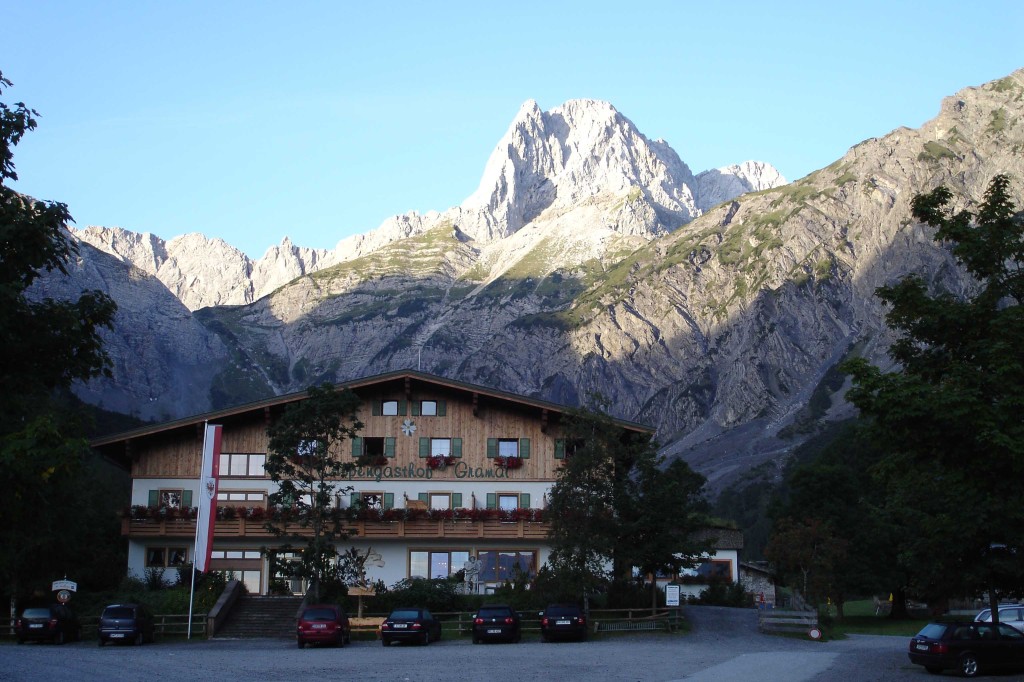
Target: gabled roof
{"x": 405, "y": 377}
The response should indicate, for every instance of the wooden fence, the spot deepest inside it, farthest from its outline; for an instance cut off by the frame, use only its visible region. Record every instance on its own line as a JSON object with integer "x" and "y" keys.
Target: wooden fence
{"x": 780, "y": 620}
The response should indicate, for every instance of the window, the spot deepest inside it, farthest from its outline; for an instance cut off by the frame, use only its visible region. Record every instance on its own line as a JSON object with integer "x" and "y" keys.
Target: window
{"x": 436, "y": 563}
{"x": 372, "y": 448}
{"x": 388, "y": 408}
{"x": 716, "y": 568}
{"x": 429, "y": 408}
{"x": 502, "y": 565}
{"x": 440, "y": 447}
{"x": 240, "y": 498}
{"x": 372, "y": 500}
{"x": 441, "y": 500}
{"x": 166, "y": 557}
{"x": 567, "y": 447}
{"x": 242, "y": 464}
{"x": 243, "y": 565}
{"x": 508, "y": 501}
{"x": 508, "y": 447}
{"x": 175, "y": 498}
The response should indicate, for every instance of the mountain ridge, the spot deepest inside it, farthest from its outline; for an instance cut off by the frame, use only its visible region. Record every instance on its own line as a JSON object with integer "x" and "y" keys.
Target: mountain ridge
{"x": 723, "y": 332}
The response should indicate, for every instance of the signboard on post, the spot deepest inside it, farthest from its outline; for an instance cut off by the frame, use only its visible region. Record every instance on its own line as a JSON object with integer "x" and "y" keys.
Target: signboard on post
{"x": 671, "y": 595}
{"x": 69, "y": 585}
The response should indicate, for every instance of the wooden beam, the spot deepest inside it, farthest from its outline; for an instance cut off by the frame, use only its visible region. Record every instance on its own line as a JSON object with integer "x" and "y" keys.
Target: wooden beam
{"x": 544, "y": 420}
{"x": 476, "y": 404}
{"x": 408, "y": 389}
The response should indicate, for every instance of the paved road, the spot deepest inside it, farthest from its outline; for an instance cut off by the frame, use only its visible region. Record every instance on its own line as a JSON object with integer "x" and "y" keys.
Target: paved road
{"x": 724, "y": 646}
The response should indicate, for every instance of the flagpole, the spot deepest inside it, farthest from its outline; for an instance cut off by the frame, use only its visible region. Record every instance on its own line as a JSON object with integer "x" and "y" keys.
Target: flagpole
{"x": 195, "y": 541}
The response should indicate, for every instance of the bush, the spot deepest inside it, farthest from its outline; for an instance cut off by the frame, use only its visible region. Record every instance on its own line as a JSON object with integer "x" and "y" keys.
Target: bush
{"x": 724, "y": 594}
{"x": 154, "y": 579}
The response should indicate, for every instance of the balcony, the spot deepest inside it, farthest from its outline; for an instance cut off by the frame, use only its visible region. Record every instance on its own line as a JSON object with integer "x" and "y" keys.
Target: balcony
{"x": 420, "y": 528}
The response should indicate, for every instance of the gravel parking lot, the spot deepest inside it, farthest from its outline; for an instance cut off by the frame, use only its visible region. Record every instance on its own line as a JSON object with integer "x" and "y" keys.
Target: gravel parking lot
{"x": 724, "y": 645}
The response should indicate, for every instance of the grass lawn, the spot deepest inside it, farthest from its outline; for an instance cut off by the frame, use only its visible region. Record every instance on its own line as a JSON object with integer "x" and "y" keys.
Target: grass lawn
{"x": 860, "y": 619}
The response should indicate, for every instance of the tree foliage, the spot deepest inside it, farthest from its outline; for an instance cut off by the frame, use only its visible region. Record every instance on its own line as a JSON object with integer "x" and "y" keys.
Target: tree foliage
{"x": 304, "y": 459}
{"x": 48, "y": 345}
{"x": 616, "y": 506}
{"x": 951, "y": 414}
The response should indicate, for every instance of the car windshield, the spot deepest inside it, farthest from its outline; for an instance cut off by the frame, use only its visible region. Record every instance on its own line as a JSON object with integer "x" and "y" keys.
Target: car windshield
{"x": 408, "y": 614}
{"x": 318, "y": 614}
{"x": 932, "y": 631}
{"x": 493, "y": 613}
{"x": 36, "y": 613}
{"x": 118, "y": 612}
{"x": 556, "y": 611}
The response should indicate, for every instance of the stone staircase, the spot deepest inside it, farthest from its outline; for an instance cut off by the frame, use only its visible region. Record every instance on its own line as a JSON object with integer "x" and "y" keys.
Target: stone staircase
{"x": 254, "y": 617}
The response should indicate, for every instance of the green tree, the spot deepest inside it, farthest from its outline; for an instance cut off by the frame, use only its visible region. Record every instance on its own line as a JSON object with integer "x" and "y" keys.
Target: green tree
{"x": 837, "y": 489}
{"x": 304, "y": 459}
{"x": 616, "y": 507}
{"x": 807, "y": 554}
{"x": 48, "y": 345}
{"x": 951, "y": 414}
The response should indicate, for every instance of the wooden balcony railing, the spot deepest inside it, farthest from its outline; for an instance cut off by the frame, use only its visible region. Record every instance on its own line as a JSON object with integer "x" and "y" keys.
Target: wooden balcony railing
{"x": 417, "y": 528}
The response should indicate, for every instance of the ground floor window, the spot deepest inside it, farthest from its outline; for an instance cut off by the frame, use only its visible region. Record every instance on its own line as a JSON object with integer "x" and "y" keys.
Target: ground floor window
{"x": 500, "y": 565}
{"x": 436, "y": 563}
{"x": 242, "y": 498}
{"x": 244, "y": 565}
{"x": 166, "y": 557}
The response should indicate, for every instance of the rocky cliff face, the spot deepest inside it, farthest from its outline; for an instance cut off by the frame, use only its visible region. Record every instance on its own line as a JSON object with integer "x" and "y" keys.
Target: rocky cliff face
{"x": 562, "y": 276}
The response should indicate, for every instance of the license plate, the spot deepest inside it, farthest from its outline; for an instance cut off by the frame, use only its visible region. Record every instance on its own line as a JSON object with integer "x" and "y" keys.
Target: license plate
{"x": 921, "y": 647}
{"x": 563, "y": 622}
{"x": 35, "y": 626}
{"x": 494, "y": 631}
{"x": 401, "y": 626}
{"x": 319, "y": 626}
{"x": 117, "y": 635}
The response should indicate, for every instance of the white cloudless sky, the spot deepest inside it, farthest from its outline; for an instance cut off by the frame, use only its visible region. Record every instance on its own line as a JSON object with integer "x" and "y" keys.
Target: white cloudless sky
{"x": 252, "y": 121}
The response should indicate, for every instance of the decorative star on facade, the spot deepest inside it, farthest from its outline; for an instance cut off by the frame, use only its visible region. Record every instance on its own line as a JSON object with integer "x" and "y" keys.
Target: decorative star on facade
{"x": 408, "y": 427}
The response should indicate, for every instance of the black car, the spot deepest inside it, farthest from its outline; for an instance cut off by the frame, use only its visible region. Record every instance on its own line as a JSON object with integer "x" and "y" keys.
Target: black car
{"x": 56, "y": 623}
{"x": 126, "y": 623}
{"x": 967, "y": 647}
{"x": 563, "y": 621}
{"x": 410, "y": 625}
{"x": 496, "y": 622}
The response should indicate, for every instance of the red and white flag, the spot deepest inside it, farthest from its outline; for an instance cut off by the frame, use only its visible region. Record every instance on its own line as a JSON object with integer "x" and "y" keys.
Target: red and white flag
{"x": 207, "y": 497}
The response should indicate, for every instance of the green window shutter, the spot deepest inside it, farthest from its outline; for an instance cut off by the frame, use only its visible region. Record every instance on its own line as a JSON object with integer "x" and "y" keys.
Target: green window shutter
{"x": 424, "y": 447}
{"x": 375, "y": 408}
{"x": 353, "y": 500}
{"x": 357, "y": 446}
{"x": 524, "y": 448}
{"x": 492, "y": 501}
{"x": 389, "y": 500}
{"x": 456, "y": 500}
{"x": 423, "y": 497}
{"x": 456, "y": 447}
{"x": 524, "y": 500}
{"x": 154, "y": 498}
{"x": 415, "y": 408}
{"x": 402, "y": 407}
{"x": 559, "y": 448}
{"x": 186, "y": 499}
{"x": 492, "y": 448}
{"x": 389, "y": 446}
{"x": 441, "y": 408}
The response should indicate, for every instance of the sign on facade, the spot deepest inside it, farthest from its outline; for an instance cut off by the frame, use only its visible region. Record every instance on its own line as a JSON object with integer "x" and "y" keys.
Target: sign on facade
{"x": 671, "y": 595}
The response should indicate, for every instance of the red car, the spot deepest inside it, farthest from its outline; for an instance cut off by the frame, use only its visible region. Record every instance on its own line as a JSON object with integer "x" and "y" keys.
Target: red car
{"x": 323, "y": 624}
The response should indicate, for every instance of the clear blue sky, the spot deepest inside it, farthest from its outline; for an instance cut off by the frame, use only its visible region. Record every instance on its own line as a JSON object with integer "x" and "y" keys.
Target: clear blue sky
{"x": 251, "y": 121}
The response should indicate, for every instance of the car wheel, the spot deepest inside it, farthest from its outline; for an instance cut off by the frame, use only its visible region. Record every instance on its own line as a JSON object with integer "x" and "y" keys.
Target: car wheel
{"x": 934, "y": 669}
{"x": 302, "y": 645}
{"x": 21, "y": 641}
{"x": 476, "y": 640}
{"x": 59, "y": 638}
{"x": 138, "y": 640}
{"x": 544, "y": 638}
{"x": 425, "y": 640}
{"x": 101, "y": 642}
{"x": 384, "y": 642}
{"x": 968, "y": 665}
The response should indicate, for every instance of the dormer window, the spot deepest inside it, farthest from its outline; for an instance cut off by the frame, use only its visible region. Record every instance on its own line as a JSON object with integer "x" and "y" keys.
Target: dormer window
{"x": 428, "y": 408}
{"x": 389, "y": 408}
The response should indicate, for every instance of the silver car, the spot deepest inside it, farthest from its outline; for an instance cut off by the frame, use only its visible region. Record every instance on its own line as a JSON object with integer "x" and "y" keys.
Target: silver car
{"x": 1011, "y": 614}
